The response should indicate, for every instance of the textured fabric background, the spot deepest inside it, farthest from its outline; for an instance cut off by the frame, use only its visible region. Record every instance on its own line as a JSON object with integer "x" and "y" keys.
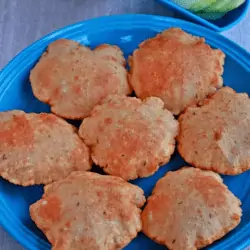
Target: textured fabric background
{"x": 24, "y": 21}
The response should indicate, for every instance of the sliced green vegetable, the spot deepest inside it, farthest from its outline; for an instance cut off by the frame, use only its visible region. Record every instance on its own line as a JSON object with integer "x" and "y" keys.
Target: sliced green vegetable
{"x": 234, "y": 4}
{"x": 211, "y": 15}
{"x": 201, "y": 5}
{"x": 184, "y": 3}
{"x": 224, "y": 5}
{"x": 194, "y": 5}
{"x": 210, "y": 9}
{"x": 218, "y": 6}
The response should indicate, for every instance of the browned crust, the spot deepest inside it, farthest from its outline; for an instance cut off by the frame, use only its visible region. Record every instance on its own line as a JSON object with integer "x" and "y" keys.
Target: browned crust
{"x": 200, "y": 242}
{"x": 229, "y": 171}
{"x": 32, "y": 181}
{"x": 120, "y": 158}
{"x": 143, "y": 91}
{"x": 53, "y": 213}
{"x": 49, "y": 101}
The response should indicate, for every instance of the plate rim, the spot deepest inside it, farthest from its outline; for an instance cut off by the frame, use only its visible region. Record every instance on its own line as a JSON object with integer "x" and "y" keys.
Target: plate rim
{"x": 8, "y": 74}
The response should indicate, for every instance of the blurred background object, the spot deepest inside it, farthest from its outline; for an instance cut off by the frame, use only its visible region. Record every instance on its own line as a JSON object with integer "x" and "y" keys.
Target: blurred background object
{"x": 218, "y": 15}
{"x": 211, "y": 9}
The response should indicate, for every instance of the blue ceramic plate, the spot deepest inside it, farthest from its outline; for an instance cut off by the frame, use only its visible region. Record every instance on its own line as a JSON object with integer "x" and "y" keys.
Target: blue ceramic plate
{"x": 126, "y": 31}
{"x": 226, "y": 22}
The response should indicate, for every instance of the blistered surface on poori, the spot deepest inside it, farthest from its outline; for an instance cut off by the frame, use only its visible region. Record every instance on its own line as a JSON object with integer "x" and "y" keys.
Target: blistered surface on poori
{"x": 128, "y": 137}
{"x": 39, "y": 148}
{"x": 189, "y": 209}
{"x": 72, "y": 79}
{"x": 89, "y": 211}
{"x": 179, "y": 68}
{"x": 217, "y": 136}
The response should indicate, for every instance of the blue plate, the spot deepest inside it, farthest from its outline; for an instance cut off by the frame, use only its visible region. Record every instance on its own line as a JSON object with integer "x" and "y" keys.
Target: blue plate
{"x": 126, "y": 31}
{"x": 226, "y": 22}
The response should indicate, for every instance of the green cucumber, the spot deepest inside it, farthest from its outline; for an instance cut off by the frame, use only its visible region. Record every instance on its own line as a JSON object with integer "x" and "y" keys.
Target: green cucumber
{"x": 218, "y": 6}
{"x": 234, "y": 4}
{"x": 209, "y": 8}
{"x": 201, "y": 5}
{"x": 224, "y": 6}
{"x": 211, "y": 15}
{"x": 183, "y": 3}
